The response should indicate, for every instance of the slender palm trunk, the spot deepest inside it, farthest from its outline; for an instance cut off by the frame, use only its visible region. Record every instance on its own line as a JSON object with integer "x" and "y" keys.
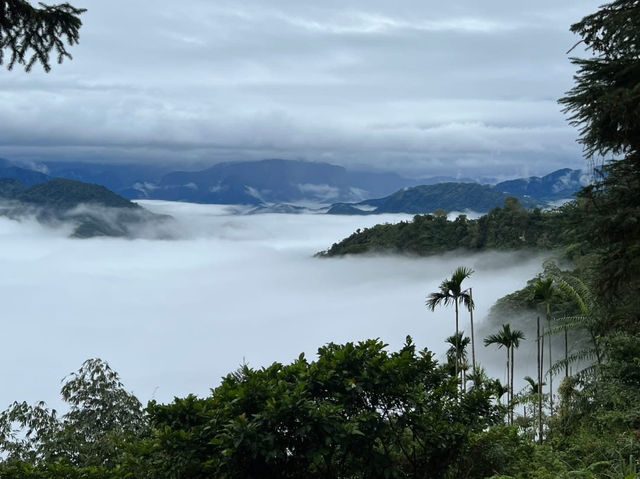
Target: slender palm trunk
{"x": 473, "y": 339}
{"x": 550, "y": 371}
{"x": 541, "y": 366}
{"x": 457, "y": 348}
{"x": 513, "y": 367}
{"x": 508, "y": 389}
{"x": 540, "y": 346}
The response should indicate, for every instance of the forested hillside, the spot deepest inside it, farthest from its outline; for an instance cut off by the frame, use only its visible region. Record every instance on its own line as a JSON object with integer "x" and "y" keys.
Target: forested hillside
{"x": 509, "y": 228}
{"x": 92, "y": 210}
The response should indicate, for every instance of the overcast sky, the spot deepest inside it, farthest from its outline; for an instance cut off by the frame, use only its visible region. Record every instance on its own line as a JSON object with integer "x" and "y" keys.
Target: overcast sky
{"x": 458, "y": 87}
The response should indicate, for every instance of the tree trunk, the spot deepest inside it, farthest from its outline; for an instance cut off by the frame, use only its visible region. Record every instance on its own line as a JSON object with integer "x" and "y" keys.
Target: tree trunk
{"x": 508, "y": 389}
{"x": 550, "y": 372}
{"x": 512, "y": 385}
{"x": 457, "y": 345}
{"x": 473, "y": 338}
{"x": 540, "y": 346}
{"x": 464, "y": 380}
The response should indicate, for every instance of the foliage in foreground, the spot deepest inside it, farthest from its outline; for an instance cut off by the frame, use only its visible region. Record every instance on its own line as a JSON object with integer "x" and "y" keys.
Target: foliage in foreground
{"x": 358, "y": 411}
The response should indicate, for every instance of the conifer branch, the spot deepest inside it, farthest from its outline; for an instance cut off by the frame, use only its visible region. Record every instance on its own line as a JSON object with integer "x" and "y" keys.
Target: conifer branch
{"x": 31, "y": 35}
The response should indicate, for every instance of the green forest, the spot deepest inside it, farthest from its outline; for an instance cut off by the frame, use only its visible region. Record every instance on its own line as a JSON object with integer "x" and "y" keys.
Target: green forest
{"x": 509, "y": 228}
{"x": 359, "y": 410}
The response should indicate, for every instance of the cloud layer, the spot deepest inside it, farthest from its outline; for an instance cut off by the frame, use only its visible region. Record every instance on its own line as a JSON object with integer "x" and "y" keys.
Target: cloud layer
{"x": 418, "y": 86}
{"x": 174, "y": 316}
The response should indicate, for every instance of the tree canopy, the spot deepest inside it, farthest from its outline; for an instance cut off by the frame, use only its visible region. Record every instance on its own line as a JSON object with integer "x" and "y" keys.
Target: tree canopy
{"x": 605, "y": 101}
{"x": 605, "y": 105}
{"x": 357, "y": 412}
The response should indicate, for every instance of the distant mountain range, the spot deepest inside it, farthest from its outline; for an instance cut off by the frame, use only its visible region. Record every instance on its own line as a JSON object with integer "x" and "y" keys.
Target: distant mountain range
{"x": 427, "y": 199}
{"x": 286, "y": 185}
{"x": 559, "y": 185}
{"x": 93, "y": 210}
{"x": 531, "y": 192}
{"x": 249, "y": 183}
{"x": 272, "y": 181}
{"x": 26, "y": 176}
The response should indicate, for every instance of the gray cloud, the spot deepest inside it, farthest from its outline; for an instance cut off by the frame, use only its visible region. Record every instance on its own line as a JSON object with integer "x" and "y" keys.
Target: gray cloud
{"x": 174, "y": 316}
{"x": 416, "y": 86}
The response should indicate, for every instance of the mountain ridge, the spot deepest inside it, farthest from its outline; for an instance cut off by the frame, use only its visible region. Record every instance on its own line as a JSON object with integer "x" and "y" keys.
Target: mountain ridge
{"x": 269, "y": 184}
{"x": 93, "y": 210}
{"x": 531, "y": 192}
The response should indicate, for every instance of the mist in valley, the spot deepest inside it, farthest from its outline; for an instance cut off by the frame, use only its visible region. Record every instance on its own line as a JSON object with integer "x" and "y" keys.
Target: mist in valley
{"x": 173, "y": 316}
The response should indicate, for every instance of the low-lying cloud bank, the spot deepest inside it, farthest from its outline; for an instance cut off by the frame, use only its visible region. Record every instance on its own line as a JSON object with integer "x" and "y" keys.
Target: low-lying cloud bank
{"x": 91, "y": 220}
{"x": 173, "y": 316}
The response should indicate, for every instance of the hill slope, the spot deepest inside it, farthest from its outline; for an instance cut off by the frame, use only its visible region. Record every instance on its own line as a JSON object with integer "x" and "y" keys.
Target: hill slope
{"x": 92, "y": 209}
{"x": 508, "y": 228}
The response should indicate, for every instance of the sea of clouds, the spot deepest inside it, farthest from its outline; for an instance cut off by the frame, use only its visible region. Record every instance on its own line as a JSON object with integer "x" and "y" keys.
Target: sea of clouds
{"x": 173, "y": 316}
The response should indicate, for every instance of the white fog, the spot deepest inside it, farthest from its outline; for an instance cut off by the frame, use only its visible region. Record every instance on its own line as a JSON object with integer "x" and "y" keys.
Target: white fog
{"x": 174, "y": 316}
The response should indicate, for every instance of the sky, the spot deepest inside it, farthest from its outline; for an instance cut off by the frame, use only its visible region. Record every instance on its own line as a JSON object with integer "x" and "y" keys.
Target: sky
{"x": 174, "y": 316}
{"x": 419, "y": 87}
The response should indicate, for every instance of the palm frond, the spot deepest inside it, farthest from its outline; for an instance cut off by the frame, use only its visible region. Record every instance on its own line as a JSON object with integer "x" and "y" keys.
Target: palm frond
{"x": 460, "y": 274}
{"x": 579, "y": 356}
{"x": 467, "y": 300}
{"x": 586, "y": 373}
{"x": 532, "y": 383}
{"x": 438, "y": 298}
{"x": 516, "y": 337}
{"x": 568, "y": 322}
{"x": 543, "y": 290}
{"x": 496, "y": 338}
{"x": 571, "y": 292}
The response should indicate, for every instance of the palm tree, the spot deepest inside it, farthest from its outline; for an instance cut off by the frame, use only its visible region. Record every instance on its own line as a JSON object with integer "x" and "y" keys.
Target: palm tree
{"x": 515, "y": 337}
{"x": 540, "y": 359}
{"x": 510, "y": 340}
{"x": 457, "y": 354}
{"x": 451, "y": 292}
{"x": 534, "y": 387}
{"x": 473, "y": 336}
{"x": 500, "y": 390}
{"x": 479, "y": 378}
{"x": 533, "y": 396}
{"x": 545, "y": 293}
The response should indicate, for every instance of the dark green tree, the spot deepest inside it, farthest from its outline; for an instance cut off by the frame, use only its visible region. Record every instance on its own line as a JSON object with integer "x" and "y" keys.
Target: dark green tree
{"x": 31, "y": 34}
{"x": 605, "y": 100}
{"x": 102, "y": 417}
{"x": 357, "y": 412}
{"x": 605, "y": 105}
